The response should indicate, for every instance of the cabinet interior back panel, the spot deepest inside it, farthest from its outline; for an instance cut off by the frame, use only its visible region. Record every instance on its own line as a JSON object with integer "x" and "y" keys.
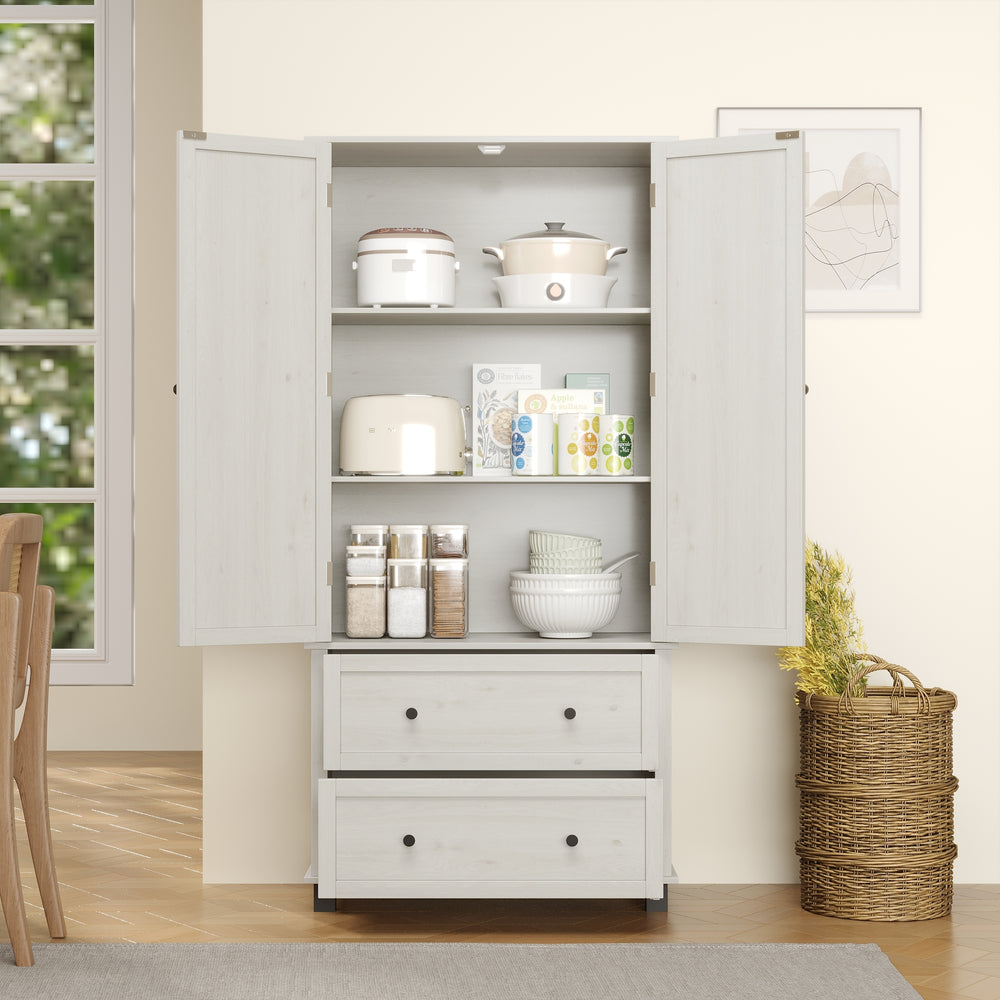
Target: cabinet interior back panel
{"x": 373, "y": 360}
{"x": 499, "y": 516}
{"x": 484, "y": 207}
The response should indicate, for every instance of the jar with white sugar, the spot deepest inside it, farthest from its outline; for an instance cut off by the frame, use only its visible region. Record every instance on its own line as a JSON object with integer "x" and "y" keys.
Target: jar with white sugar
{"x": 407, "y": 598}
{"x": 365, "y": 560}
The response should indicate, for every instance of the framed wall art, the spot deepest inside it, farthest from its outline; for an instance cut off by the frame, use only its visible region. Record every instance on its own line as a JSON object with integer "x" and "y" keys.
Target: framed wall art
{"x": 862, "y": 202}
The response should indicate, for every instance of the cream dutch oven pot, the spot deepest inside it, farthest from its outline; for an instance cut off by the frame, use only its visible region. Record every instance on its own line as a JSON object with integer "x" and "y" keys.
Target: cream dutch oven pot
{"x": 554, "y": 250}
{"x": 406, "y": 267}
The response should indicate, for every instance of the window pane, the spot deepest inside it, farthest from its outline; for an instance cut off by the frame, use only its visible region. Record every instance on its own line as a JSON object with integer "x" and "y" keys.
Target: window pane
{"x": 67, "y": 566}
{"x": 46, "y": 255}
{"x": 47, "y": 93}
{"x": 46, "y": 416}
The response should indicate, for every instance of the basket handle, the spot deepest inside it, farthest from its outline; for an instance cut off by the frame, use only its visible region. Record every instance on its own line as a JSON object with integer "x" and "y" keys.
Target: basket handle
{"x": 876, "y": 663}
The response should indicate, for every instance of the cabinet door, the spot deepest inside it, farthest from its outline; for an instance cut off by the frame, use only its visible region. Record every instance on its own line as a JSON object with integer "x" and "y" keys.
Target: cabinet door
{"x": 254, "y": 415}
{"x": 727, "y": 506}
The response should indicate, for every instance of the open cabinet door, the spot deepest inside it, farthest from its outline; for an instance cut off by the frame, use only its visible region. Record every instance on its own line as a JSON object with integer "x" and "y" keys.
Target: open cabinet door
{"x": 727, "y": 473}
{"x": 254, "y": 415}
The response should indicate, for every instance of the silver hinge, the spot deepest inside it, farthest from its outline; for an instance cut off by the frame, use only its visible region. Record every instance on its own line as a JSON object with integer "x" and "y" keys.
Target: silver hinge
{"x": 329, "y": 196}
{"x": 329, "y": 384}
{"x": 191, "y": 134}
{"x": 652, "y": 196}
{"x": 652, "y": 384}
{"x": 329, "y": 574}
{"x": 652, "y": 574}
{"x": 787, "y": 135}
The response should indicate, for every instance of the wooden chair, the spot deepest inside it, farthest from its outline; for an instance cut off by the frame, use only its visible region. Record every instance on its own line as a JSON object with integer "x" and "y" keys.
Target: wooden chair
{"x": 26, "y": 617}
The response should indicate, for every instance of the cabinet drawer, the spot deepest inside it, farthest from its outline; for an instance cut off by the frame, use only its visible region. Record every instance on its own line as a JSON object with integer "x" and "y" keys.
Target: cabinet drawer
{"x": 490, "y": 837}
{"x": 488, "y": 712}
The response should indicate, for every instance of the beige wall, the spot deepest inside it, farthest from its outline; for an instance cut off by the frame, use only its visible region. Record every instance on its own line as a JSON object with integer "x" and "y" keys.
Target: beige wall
{"x": 902, "y": 417}
{"x": 162, "y": 710}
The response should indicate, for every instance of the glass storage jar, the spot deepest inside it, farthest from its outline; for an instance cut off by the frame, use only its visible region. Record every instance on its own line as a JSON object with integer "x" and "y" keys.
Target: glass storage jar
{"x": 407, "y": 599}
{"x": 448, "y": 599}
{"x": 365, "y": 560}
{"x": 365, "y": 607}
{"x": 407, "y": 541}
{"x": 449, "y": 541}
{"x": 369, "y": 534}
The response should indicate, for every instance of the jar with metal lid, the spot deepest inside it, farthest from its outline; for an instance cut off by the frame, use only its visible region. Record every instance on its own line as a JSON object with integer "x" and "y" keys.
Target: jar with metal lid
{"x": 448, "y": 601}
{"x": 365, "y": 607}
{"x": 369, "y": 534}
{"x": 449, "y": 541}
{"x": 407, "y": 598}
{"x": 407, "y": 541}
{"x": 365, "y": 560}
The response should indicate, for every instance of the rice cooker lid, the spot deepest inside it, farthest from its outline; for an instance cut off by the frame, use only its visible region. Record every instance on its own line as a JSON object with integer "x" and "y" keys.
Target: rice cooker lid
{"x": 414, "y": 232}
{"x": 555, "y": 230}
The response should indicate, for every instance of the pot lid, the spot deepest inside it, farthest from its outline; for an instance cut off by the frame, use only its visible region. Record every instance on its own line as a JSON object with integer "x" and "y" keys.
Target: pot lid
{"x": 405, "y": 231}
{"x": 554, "y": 230}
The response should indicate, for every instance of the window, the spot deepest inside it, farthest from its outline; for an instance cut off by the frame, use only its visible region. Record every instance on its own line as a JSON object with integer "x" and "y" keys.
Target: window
{"x": 66, "y": 315}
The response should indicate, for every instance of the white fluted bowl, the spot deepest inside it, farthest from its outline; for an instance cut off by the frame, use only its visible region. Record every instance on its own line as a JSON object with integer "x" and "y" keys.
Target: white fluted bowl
{"x": 554, "y": 541}
{"x": 554, "y": 583}
{"x": 565, "y": 606}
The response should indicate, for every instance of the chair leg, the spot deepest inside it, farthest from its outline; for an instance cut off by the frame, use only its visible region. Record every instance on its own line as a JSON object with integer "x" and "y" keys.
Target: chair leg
{"x": 29, "y": 766}
{"x": 11, "y": 896}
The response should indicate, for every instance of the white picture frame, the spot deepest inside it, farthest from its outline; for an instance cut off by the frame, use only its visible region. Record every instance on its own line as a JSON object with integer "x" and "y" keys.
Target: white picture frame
{"x": 862, "y": 202}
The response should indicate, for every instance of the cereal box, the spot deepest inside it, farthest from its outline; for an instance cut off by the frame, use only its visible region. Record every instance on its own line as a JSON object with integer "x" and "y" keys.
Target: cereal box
{"x": 561, "y": 401}
{"x": 494, "y": 402}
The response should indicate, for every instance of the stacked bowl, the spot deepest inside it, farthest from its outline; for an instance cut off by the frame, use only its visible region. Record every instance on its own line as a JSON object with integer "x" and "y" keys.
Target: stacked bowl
{"x": 564, "y": 594}
{"x": 551, "y": 552}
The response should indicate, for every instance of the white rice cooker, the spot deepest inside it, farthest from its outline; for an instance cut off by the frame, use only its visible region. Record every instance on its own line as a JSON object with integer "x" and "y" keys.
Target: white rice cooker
{"x": 406, "y": 267}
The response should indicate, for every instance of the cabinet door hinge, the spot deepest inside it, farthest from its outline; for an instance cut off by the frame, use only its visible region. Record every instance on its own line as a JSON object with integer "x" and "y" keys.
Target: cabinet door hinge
{"x": 652, "y": 574}
{"x": 652, "y": 196}
{"x": 329, "y": 196}
{"x": 192, "y": 134}
{"x": 652, "y": 384}
{"x": 329, "y": 384}
{"x": 787, "y": 135}
{"x": 329, "y": 574}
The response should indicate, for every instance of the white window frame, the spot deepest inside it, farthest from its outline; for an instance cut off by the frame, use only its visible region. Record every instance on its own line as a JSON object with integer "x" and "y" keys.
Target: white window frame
{"x": 111, "y": 661}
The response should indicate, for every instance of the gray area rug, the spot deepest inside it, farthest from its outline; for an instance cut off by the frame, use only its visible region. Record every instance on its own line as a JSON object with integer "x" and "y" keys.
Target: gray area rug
{"x": 408, "y": 971}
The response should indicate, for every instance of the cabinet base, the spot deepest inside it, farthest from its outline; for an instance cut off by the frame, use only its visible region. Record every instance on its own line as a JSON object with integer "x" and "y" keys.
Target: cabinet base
{"x": 657, "y": 905}
{"x": 323, "y": 905}
{"x": 329, "y": 904}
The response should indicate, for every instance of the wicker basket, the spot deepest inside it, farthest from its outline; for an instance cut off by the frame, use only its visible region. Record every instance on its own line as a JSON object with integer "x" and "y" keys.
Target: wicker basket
{"x": 876, "y": 793}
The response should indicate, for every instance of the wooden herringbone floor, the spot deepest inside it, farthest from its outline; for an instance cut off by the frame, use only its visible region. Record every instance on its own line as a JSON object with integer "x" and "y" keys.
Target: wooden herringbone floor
{"x": 127, "y": 832}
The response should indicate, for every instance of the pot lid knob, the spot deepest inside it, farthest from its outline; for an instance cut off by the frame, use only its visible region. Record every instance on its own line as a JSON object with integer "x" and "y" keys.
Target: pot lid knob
{"x": 554, "y": 227}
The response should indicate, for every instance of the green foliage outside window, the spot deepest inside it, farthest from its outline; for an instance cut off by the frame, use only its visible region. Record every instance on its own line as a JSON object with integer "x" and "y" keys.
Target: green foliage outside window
{"x": 67, "y": 565}
{"x": 47, "y": 93}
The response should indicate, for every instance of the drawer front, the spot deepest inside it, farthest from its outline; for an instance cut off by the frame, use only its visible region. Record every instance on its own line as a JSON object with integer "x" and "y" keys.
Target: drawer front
{"x": 380, "y": 835}
{"x": 491, "y": 712}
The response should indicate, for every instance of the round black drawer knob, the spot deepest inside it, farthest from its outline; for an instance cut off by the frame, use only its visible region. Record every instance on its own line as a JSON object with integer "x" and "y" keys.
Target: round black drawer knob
{"x": 409, "y": 840}
{"x": 570, "y": 713}
{"x": 572, "y": 840}
{"x": 411, "y": 713}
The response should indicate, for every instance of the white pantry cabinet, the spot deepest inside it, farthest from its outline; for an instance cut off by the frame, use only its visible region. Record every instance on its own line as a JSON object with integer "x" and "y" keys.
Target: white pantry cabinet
{"x": 703, "y": 340}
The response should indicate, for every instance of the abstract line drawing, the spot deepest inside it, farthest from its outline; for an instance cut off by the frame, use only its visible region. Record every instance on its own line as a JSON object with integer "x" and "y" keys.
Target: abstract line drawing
{"x": 861, "y": 202}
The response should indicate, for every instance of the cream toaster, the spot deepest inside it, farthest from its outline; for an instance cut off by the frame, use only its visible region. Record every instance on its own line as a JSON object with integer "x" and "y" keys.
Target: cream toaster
{"x": 406, "y": 435}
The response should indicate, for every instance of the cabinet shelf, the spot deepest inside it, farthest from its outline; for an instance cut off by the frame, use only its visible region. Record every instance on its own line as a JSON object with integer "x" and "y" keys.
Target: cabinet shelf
{"x": 491, "y": 480}
{"x": 500, "y": 641}
{"x": 448, "y": 316}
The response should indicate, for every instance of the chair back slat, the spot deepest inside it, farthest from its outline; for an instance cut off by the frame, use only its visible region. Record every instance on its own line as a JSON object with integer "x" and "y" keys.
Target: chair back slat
{"x": 20, "y": 550}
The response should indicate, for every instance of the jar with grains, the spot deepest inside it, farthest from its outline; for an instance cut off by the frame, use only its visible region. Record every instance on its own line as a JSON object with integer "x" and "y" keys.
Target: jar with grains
{"x": 365, "y": 607}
